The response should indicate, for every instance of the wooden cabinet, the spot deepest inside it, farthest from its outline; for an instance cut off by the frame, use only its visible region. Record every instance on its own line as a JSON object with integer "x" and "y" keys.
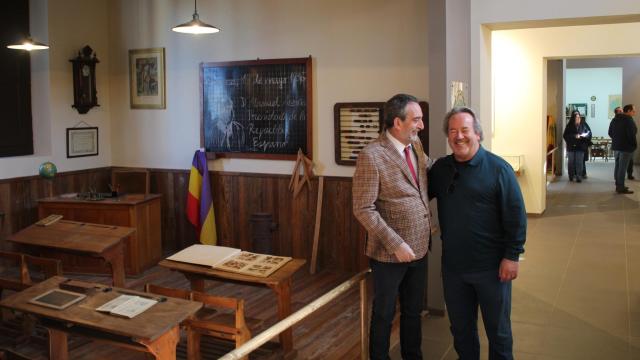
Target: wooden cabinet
{"x": 143, "y": 249}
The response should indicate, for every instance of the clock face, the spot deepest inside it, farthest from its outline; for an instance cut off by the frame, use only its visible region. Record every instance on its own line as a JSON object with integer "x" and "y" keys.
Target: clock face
{"x": 85, "y": 70}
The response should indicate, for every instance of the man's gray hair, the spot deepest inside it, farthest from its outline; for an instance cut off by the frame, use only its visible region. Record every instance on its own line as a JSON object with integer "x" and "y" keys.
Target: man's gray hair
{"x": 463, "y": 109}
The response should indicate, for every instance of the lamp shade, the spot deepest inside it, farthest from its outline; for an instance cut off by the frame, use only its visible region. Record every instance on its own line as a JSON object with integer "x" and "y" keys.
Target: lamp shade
{"x": 29, "y": 44}
{"x": 196, "y": 26}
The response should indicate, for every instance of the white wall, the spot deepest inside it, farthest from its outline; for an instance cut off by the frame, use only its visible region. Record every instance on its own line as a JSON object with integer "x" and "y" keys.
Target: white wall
{"x": 488, "y": 14}
{"x": 630, "y": 80}
{"x": 582, "y": 84}
{"x": 67, "y": 26}
{"x": 363, "y": 50}
{"x": 519, "y": 104}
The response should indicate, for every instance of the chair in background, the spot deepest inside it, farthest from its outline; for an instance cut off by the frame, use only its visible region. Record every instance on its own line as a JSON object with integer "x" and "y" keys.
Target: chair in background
{"x": 210, "y": 322}
{"x": 20, "y": 271}
{"x": 165, "y": 291}
{"x": 221, "y": 317}
{"x": 130, "y": 181}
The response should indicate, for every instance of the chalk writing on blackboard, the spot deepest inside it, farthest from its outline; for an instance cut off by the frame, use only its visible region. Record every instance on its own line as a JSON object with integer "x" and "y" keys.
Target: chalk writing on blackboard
{"x": 256, "y": 108}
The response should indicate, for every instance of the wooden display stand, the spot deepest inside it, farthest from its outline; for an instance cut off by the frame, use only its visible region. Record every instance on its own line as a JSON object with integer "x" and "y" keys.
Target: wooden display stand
{"x": 143, "y": 249}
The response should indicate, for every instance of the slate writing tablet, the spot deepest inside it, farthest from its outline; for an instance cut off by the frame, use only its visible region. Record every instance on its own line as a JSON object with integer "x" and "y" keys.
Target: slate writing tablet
{"x": 57, "y": 299}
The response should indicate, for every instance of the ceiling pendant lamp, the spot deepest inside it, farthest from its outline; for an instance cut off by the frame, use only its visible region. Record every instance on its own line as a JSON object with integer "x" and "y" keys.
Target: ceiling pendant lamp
{"x": 28, "y": 44}
{"x": 196, "y": 26}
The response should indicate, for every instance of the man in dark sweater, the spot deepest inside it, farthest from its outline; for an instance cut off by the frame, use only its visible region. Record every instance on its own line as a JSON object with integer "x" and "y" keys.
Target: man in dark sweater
{"x": 483, "y": 222}
{"x": 622, "y": 131}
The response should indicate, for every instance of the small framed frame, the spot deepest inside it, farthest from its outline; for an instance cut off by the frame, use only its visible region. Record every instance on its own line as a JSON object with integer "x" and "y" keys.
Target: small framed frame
{"x": 57, "y": 299}
{"x": 82, "y": 141}
{"x": 356, "y": 125}
{"x": 147, "y": 78}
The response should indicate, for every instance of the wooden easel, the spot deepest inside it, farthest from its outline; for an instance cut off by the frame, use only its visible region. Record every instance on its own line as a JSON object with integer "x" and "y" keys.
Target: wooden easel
{"x": 296, "y": 183}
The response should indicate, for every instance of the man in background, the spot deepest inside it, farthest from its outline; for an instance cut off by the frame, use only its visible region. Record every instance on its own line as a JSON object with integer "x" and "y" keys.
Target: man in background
{"x": 616, "y": 111}
{"x": 390, "y": 201}
{"x": 484, "y": 225}
{"x": 622, "y": 131}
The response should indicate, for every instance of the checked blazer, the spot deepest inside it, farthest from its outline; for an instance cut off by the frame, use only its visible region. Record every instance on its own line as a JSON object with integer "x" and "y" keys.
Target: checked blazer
{"x": 388, "y": 203}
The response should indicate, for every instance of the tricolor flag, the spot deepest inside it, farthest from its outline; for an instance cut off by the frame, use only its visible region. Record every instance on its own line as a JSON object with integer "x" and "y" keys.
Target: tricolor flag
{"x": 199, "y": 202}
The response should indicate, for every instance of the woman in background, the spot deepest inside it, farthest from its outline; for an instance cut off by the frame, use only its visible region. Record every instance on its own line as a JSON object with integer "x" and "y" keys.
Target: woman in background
{"x": 577, "y": 136}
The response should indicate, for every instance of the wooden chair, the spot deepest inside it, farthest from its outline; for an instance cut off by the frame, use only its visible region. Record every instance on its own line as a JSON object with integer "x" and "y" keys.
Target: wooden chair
{"x": 23, "y": 270}
{"x": 165, "y": 291}
{"x": 14, "y": 275}
{"x": 208, "y": 321}
{"x": 40, "y": 268}
{"x": 131, "y": 181}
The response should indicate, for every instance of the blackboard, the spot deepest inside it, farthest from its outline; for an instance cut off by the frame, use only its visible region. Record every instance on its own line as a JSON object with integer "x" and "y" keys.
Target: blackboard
{"x": 256, "y": 109}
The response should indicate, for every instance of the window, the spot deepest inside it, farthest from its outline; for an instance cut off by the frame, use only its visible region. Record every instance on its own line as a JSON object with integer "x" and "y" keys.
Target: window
{"x": 16, "y": 133}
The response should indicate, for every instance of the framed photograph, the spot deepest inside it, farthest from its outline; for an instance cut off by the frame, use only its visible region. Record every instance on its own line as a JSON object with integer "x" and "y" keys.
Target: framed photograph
{"x": 82, "y": 141}
{"x": 147, "y": 78}
{"x": 582, "y": 107}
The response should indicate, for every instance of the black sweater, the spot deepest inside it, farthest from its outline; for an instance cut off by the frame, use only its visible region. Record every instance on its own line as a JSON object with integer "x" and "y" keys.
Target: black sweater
{"x": 622, "y": 131}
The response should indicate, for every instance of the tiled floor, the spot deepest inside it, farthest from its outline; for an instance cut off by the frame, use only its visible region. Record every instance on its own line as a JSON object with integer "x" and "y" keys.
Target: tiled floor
{"x": 578, "y": 292}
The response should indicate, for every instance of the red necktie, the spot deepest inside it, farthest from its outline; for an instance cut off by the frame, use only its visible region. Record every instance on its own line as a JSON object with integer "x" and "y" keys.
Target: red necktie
{"x": 407, "y": 156}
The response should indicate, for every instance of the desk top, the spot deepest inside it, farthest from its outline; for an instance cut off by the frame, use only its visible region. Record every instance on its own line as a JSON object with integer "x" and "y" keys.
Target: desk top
{"x": 72, "y": 235}
{"x": 282, "y": 274}
{"x": 147, "y": 326}
{"x": 127, "y": 199}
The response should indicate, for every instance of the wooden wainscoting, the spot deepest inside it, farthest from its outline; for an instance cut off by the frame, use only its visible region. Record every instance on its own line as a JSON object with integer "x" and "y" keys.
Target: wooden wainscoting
{"x": 238, "y": 195}
{"x": 19, "y": 196}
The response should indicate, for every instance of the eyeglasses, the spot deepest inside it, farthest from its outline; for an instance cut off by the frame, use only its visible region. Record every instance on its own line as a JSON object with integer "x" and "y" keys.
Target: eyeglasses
{"x": 452, "y": 185}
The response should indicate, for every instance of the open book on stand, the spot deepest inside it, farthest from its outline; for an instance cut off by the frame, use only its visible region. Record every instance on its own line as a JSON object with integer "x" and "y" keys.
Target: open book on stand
{"x": 231, "y": 259}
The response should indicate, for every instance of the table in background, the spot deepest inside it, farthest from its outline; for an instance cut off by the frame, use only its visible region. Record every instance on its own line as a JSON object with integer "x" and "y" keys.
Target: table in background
{"x": 143, "y": 249}
{"x": 155, "y": 331}
{"x": 279, "y": 282}
{"x": 84, "y": 239}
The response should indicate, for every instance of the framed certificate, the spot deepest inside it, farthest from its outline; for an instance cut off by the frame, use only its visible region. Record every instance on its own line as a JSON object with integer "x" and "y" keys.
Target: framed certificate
{"x": 57, "y": 299}
{"x": 82, "y": 141}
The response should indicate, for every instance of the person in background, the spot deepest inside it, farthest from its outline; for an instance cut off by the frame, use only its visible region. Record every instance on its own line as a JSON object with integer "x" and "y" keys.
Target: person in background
{"x": 390, "y": 201}
{"x": 577, "y": 136}
{"x": 586, "y": 153}
{"x": 622, "y": 131}
{"x": 484, "y": 226}
{"x": 616, "y": 111}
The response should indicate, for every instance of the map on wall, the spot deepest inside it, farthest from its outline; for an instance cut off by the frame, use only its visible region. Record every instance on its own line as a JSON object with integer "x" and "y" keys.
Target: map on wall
{"x": 614, "y": 102}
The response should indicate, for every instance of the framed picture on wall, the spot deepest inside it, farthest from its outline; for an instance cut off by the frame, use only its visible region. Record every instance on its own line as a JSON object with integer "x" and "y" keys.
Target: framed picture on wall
{"x": 581, "y": 107}
{"x": 147, "y": 78}
{"x": 82, "y": 141}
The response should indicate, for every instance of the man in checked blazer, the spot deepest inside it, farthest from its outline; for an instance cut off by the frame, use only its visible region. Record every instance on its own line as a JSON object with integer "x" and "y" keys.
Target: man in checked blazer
{"x": 390, "y": 201}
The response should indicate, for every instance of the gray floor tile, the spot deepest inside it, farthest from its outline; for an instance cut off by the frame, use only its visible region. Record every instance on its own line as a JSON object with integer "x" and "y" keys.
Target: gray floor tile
{"x": 577, "y": 295}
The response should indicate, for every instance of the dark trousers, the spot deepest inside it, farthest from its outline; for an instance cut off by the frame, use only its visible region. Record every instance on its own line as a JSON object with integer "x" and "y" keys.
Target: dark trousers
{"x": 462, "y": 294}
{"x": 630, "y": 167}
{"x": 390, "y": 281}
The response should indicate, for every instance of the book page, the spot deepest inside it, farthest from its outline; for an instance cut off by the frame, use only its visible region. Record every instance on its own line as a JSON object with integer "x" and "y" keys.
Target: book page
{"x": 127, "y": 305}
{"x": 253, "y": 264}
{"x": 107, "y": 307}
{"x": 209, "y": 255}
{"x": 133, "y": 307}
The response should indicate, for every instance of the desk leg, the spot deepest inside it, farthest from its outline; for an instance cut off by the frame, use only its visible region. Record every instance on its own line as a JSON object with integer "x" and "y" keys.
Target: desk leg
{"x": 164, "y": 347}
{"x": 115, "y": 258}
{"x": 283, "y": 292}
{"x": 58, "y": 349}
{"x": 197, "y": 282}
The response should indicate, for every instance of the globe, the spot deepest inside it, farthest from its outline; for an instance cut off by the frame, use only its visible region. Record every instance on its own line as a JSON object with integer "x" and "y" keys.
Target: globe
{"x": 47, "y": 170}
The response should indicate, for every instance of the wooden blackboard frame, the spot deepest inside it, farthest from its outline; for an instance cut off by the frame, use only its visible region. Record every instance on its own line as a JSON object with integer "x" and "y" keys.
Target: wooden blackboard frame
{"x": 308, "y": 104}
